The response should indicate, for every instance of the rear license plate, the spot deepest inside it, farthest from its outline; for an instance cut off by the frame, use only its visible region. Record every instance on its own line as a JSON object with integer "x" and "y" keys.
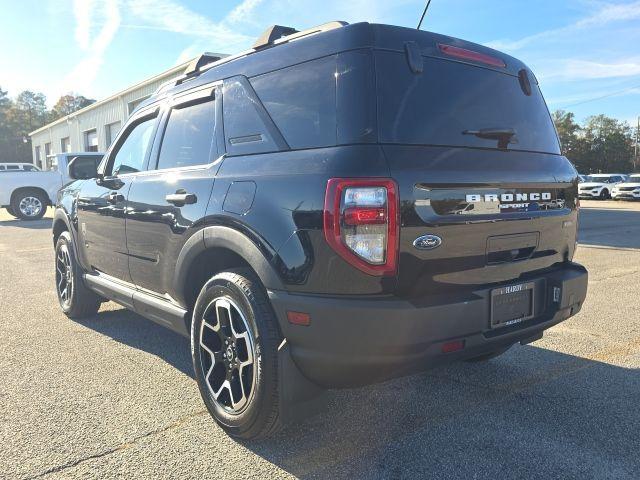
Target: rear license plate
{"x": 511, "y": 304}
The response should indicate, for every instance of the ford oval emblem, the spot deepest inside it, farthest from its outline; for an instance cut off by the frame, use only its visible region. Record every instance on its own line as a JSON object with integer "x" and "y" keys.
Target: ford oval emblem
{"x": 427, "y": 242}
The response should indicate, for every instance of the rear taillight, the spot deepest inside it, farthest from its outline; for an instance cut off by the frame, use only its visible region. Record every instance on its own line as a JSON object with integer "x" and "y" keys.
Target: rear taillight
{"x": 361, "y": 223}
{"x": 465, "y": 54}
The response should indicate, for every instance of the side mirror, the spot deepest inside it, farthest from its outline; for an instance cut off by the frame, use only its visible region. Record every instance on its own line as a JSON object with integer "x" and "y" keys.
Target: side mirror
{"x": 113, "y": 183}
{"x": 82, "y": 168}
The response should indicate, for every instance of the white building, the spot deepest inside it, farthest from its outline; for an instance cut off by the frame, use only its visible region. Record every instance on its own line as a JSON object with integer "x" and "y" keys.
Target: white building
{"x": 93, "y": 128}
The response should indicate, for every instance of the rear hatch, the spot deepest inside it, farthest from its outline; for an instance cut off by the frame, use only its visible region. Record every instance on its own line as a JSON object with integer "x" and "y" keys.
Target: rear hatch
{"x": 486, "y": 197}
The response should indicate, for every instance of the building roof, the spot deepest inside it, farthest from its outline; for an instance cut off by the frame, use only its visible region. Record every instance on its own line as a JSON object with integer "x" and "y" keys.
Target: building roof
{"x": 177, "y": 70}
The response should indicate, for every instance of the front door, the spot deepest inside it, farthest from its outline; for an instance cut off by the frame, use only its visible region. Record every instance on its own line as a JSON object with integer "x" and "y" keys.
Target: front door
{"x": 102, "y": 202}
{"x": 166, "y": 202}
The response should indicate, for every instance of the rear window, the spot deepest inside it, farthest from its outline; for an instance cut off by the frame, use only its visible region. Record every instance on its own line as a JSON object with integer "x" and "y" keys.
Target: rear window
{"x": 436, "y": 106}
{"x": 301, "y": 100}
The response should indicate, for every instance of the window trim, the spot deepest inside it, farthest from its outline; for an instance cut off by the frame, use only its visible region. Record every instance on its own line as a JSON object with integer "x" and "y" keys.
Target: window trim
{"x": 272, "y": 129}
{"x": 153, "y": 112}
{"x": 210, "y": 92}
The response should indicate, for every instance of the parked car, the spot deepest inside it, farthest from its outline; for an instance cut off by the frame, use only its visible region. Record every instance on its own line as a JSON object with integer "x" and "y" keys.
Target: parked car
{"x": 331, "y": 208}
{"x": 18, "y": 167}
{"x": 599, "y": 185}
{"x": 627, "y": 190}
{"x": 26, "y": 194}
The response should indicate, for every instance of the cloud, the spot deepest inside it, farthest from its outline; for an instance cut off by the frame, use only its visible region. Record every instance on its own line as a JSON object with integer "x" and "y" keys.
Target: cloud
{"x": 606, "y": 14}
{"x": 576, "y": 69}
{"x": 243, "y": 12}
{"x": 574, "y": 100}
{"x": 82, "y": 12}
{"x": 170, "y": 16}
{"x": 221, "y": 36}
{"x": 107, "y": 14}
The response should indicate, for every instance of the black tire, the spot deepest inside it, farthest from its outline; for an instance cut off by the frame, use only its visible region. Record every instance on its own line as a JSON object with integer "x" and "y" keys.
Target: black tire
{"x": 604, "y": 194}
{"x": 78, "y": 301}
{"x": 10, "y": 211}
{"x": 29, "y": 204}
{"x": 239, "y": 295}
{"x": 488, "y": 356}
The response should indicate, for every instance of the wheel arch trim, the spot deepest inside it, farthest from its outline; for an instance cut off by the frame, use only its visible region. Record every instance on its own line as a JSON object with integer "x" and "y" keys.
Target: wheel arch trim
{"x": 228, "y": 238}
{"x": 41, "y": 190}
{"x": 60, "y": 216}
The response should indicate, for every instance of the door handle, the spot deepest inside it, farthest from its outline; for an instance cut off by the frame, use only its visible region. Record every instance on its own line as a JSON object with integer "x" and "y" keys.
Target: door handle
{"x": 115, "y": 197}
{"x": 181, "y": 198}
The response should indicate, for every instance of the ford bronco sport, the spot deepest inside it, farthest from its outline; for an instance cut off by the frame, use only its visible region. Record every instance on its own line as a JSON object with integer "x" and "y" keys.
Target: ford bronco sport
{"x": 331, "y": 208}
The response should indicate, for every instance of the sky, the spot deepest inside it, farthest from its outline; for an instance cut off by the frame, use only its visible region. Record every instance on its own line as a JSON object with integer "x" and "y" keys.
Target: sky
{"x": 585, "y": 53}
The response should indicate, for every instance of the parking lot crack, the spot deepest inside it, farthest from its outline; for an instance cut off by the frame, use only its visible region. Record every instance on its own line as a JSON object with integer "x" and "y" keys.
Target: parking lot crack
{"x": 118, "y": 448}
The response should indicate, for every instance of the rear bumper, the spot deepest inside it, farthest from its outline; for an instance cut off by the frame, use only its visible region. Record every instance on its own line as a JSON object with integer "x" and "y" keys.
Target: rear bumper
{"x": 355, "y": 341}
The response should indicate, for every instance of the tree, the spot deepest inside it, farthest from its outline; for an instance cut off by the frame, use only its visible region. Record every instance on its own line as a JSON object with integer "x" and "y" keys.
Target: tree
{"x": 68, "y": 104}
{"x": 606, "y": 145}
{"x": 30, "y": 110}
{"x": 601, "y": 144}
{"x": 5, "y": 105}
{"x": 568, "y": 130}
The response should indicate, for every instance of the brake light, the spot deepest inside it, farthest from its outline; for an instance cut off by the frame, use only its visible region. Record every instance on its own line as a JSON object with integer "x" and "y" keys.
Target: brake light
{"x": 361, "y": 223}
{"x": 471, "y": 55}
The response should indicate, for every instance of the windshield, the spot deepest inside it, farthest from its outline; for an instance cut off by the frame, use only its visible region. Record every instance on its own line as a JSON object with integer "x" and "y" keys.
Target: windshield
{"x": 598, "y": 179}
{"x": 456, "y": 104}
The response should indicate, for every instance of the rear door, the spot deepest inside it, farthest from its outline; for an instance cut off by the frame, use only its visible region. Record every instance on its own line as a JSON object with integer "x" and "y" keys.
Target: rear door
{"x": 478, "y": 165}
{"x": 166, "y": 202}
{"x": 102, "y": 202}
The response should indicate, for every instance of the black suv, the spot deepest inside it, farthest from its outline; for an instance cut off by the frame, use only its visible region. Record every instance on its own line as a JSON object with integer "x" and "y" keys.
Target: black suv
{"x": 334, "y": 207}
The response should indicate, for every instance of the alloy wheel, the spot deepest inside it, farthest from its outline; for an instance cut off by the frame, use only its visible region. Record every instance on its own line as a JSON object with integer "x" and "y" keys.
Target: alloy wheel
{"x": 228, "y": 354}
{"x": 64, "y": 275}
{"x": 30, "y": 206}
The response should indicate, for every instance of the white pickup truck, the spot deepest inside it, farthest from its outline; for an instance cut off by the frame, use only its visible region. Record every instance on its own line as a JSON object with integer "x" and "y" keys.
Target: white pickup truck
{"x": 27, "y": 194}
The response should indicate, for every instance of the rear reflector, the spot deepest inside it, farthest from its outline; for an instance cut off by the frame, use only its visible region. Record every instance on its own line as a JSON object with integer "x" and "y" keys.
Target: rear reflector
{"x": 465, "y": 54}
{"x": 299, "y": 318}
{"x": 454, "y": 346}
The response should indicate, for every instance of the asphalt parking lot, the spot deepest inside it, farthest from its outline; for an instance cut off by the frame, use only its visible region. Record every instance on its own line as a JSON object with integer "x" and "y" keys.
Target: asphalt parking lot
{"x": 113, "y": 396}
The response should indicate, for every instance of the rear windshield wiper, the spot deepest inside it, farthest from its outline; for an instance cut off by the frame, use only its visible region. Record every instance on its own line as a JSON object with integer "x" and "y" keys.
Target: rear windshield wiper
{"x": 505, "y": 136}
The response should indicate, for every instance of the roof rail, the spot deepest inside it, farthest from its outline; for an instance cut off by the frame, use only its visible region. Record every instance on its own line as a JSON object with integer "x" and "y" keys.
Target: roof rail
{"x": 325, "y": 27}
{"x": 272, "y": 34}
{"x": 271, "y": 37}
{"x": 204, "y": 59}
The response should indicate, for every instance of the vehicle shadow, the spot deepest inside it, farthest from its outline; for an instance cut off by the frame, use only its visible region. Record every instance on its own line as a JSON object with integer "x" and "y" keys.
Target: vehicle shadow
{"x": 44, "y": 224}
{"x": 532, "y": 412}
{"x": 129, "y": 328}
{"x": 608, "y": 227}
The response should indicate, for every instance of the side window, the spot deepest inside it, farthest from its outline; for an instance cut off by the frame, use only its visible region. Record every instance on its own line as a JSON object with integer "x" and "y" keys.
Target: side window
{"x": 302, "y": 102}
{"x": 131, "y": 154}
{"x": 84, "y": 167}
{"x": 29, "y": 168}
{"x": 189, "y": 138}
{"x": 247, "y": 126}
